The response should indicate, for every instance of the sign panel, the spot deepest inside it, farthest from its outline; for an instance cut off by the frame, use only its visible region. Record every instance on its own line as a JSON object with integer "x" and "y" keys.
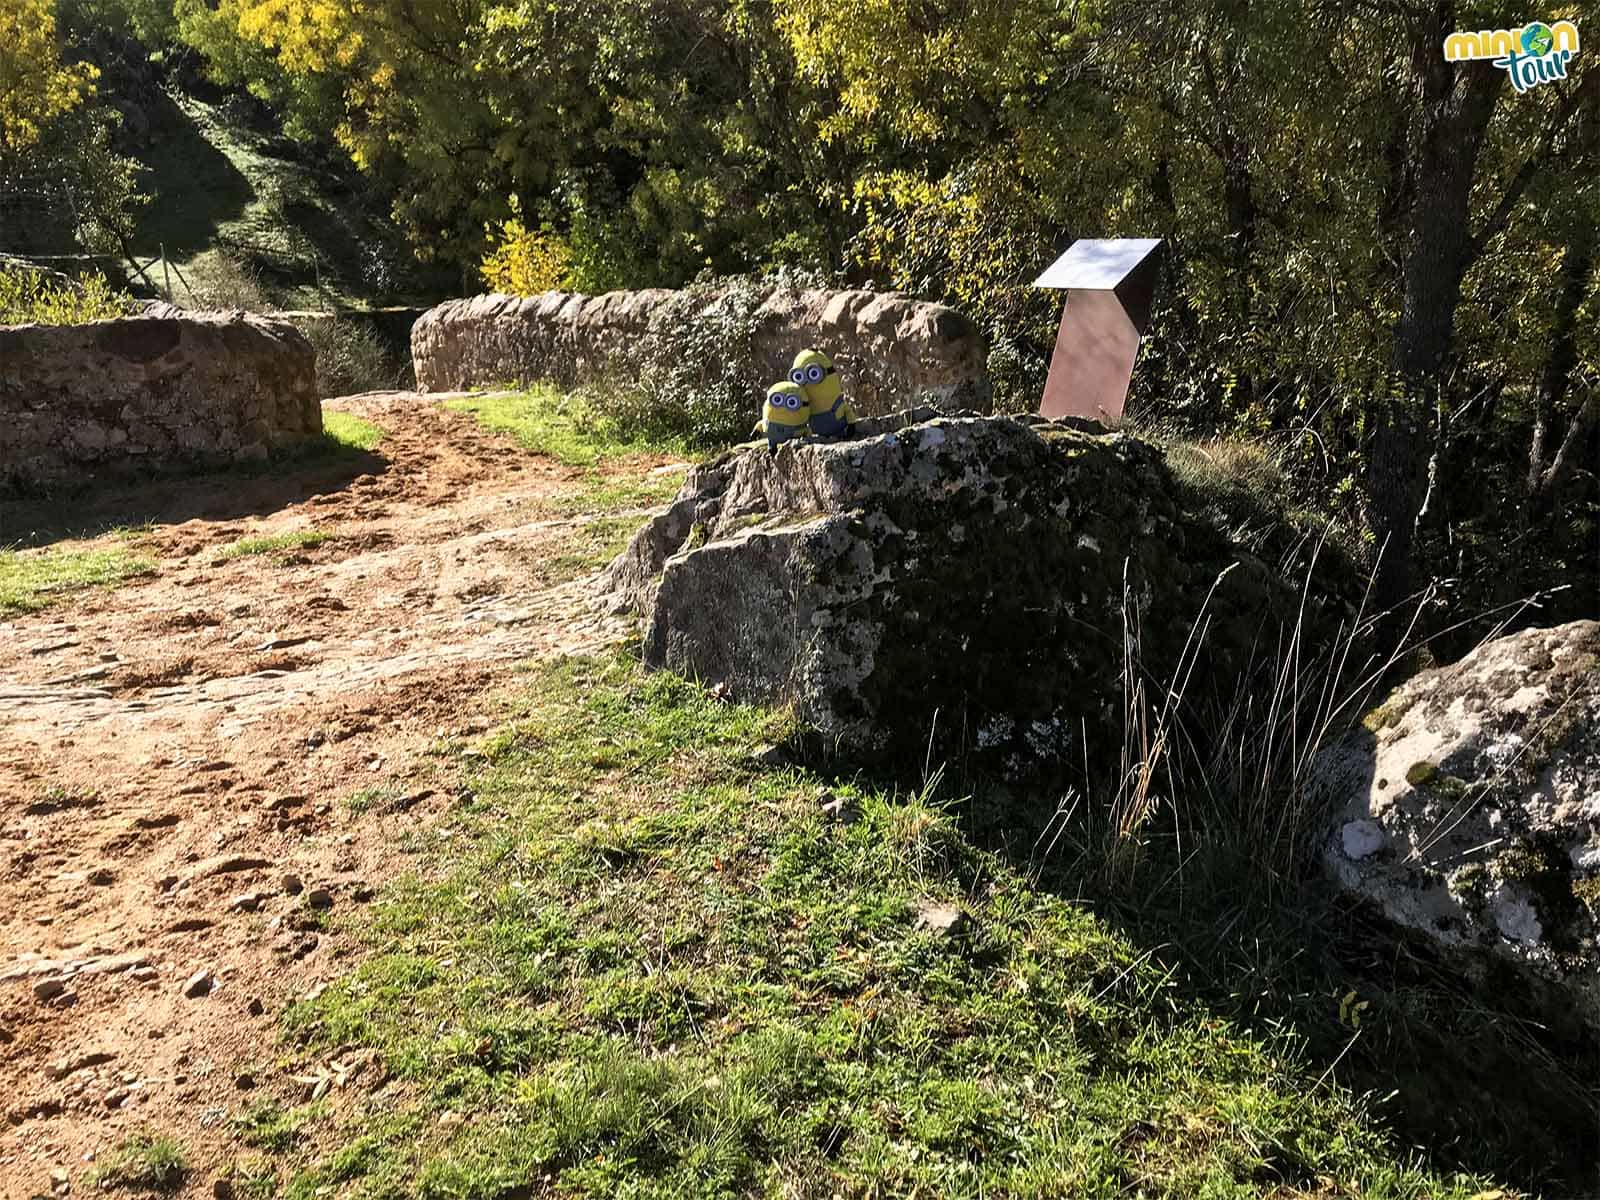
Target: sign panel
{"x": 1110, "y": 283}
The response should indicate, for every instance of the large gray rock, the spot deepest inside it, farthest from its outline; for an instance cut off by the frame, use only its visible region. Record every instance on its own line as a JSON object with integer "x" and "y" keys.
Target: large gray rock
{"x": 986, "y": 585}
{"x": 1469, "y": 812}
{"x": 890, "y": 349}
{"x": 79, "y": 402}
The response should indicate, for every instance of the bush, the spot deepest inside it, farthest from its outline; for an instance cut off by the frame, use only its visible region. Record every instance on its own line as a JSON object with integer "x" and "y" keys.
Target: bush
{"x": 351, "y": 357}
{"x": 696, "y": 375}
{"x": 216, "y": 281}
{"x": 522, "y": 261}
{"x": 1018, "y": 372}
{"x": 28, "y": 295}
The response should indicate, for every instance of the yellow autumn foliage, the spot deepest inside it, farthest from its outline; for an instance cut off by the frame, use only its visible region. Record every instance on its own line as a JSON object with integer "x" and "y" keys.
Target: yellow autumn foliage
{"x": 35, "y": 85}
{"x": 522, "y": 261}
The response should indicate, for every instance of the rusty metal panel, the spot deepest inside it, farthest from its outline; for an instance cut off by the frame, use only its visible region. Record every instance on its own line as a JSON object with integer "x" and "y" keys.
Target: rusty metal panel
{"x": 1110, "y": 285}
{"x": 1093, "y": 359}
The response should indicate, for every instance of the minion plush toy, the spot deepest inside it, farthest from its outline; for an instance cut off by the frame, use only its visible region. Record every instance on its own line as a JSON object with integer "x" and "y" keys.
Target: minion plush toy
{"x": 785, "y": 414}
{"x": 831, "y": 415}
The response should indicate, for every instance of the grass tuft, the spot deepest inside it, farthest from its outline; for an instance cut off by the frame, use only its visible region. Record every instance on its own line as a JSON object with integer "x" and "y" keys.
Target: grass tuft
{"x": 31, "y": 580}
{"x": 561, "y": 425}
{"x": 143, "y": 1162}
{"x": 276, "y": 543}
{"x": 350, "y": 432}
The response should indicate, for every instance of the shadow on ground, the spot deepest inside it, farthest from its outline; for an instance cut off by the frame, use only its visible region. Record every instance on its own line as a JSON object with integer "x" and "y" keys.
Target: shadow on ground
{"x": 201, "y": 189}
{"x": 220, "y": 494}
{"x": 1458, "y": 1071}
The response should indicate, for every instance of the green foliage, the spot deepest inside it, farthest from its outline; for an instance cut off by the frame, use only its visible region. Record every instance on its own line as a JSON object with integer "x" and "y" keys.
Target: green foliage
{"x": 629, "y": 964}
{"x": 351, "y": 357}
{"x": 30, "y": 296}
{"x": 142, "y": 1162}
{"x": 33, "y": 579}
{"x": 696, "y": 376}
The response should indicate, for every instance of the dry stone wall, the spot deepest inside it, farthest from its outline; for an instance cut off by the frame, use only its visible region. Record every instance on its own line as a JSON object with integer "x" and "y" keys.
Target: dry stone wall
{"x": 82, "y": 402}
{"x": 890, "y": 349}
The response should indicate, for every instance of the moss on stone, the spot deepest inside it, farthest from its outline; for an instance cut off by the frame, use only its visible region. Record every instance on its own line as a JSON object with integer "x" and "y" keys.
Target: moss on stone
{"x": 1470, "y": 886}
{"x": 1420, "y": 774}
{"x": 1390, "y": 712}
{"x": 1540, "y": 863}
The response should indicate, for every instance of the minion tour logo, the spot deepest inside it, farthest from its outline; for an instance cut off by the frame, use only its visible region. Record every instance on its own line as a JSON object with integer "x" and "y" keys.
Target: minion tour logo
{"x": 1534, "y": 54}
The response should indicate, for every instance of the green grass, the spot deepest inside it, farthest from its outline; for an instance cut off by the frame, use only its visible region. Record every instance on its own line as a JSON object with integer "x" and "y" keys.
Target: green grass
{"x": 632, "y": 963}
{"x": 276, "y": 543}
{"x": 228, "y": 189}
{"x": 31, "y": 580}
{"x": 597, "y": 494}
{"x": 267, "y": 1125}
{"x": 558, "y": 424}
{"x": 143, "y": 1162}
{"x": 350, "y": 432}
{"x": 588, "y": 547}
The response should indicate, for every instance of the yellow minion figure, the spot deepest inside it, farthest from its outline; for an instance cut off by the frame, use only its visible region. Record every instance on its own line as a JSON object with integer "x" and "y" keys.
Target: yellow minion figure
{"x": 786, "y": 414}
{"x": 831, "y": 414}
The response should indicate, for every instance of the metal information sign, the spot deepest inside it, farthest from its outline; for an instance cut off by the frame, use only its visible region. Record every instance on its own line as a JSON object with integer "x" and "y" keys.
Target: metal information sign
{"x": 1110, "y": 283}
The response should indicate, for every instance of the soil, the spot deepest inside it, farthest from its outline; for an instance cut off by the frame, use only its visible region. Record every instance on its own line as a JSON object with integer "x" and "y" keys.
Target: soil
{"x": 203, "y": 769}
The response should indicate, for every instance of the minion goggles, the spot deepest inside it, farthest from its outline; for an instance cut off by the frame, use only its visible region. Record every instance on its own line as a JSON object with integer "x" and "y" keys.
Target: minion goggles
{"x": 813, "y": 374}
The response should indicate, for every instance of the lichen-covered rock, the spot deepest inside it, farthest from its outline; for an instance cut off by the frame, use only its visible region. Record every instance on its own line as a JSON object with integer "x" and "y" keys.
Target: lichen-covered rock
{"x": 1469, "y": 811}
{"x": 978, "y": 584}
{"x": 79, "y": 402}
{"x": 890, "y": 349}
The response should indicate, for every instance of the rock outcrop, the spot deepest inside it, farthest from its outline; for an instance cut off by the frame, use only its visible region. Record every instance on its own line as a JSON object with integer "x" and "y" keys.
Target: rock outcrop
{"x": 890, "y": 349}
{"x": 1469, "y": 812}
{"x": 981, "y": 585}
{"x": 81, "y": 402}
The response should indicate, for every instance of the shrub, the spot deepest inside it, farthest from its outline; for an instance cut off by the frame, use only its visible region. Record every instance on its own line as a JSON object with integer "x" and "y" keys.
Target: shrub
{"x": 351, "y": 357}
{"x": 28, "y": 295}
{"x": 522, "y": 261}
{"x": 697, "y": 375}
{"x": 217, "y": 281}
{"x": 1017, "y": 372}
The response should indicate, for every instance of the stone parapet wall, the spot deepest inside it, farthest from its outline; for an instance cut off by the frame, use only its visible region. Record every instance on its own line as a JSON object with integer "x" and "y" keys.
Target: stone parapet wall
{"x": 82, "y": 402}
{"x": 890, "y": 349}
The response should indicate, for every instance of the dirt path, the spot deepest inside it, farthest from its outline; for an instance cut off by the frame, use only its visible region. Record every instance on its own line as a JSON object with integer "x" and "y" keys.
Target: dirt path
{"x": 178, "y": 759}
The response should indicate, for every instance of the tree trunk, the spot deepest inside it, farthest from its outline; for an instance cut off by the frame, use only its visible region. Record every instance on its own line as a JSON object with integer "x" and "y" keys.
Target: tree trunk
{"x": 1545, "y": 472}
{"x": 1454, "y": 105}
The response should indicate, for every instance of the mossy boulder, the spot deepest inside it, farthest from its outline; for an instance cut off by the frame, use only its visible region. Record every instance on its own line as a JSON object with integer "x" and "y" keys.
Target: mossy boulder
{"x": 1468, "y": 811}
{"x": 986, "y": 586}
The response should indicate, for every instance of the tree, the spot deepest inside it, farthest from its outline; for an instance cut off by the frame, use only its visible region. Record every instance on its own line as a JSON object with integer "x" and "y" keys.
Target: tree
{"x": 1452, "y": 111}
{"x": 35, "y": 85}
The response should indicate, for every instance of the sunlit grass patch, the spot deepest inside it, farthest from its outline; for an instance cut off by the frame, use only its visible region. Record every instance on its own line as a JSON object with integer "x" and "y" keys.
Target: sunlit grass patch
{"x": 33, "y": 579}
{"x": 586, "y": 547}
{"x": 350, "y": 432}
{"x": 275, "y": 543}
{"x": 633, "y": 962}
{"x": 268, "y": 1125}
{"x": 603, "y": 494}
{"x": 559, "y": 424}
{"x": 142, "y": 1162}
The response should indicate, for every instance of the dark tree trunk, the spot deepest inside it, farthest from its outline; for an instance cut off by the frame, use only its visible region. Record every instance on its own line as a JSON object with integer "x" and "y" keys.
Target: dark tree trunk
{"x": 1454, "y": 104}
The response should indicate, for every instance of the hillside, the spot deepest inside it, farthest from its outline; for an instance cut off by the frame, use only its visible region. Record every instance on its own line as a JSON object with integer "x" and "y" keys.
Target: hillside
{"x": 230, "y": 194}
